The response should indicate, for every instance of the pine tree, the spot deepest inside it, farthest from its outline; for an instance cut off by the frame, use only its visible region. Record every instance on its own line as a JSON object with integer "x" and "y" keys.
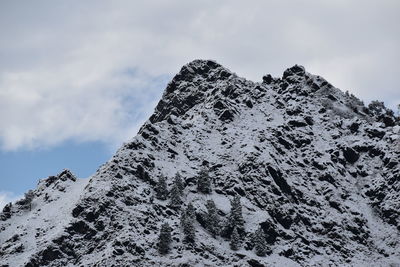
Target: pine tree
{"x": 212, "y": 218}
{"x": 175, "y": 200}
{"x": 187, "y": 222}
{"x": 161, "y": 188}
{"x": 204, "y": 182}
{"x": 28, "y": 199}
{"x": 235, "y": 240}
{"x": 179, "y": 182}
{"x": 236, "y": 217}
{"x": 190, "y": 211}
{"x": 164, "y": 239}
{"x": 234, "y": 220}
{"x": 260, "y": 243}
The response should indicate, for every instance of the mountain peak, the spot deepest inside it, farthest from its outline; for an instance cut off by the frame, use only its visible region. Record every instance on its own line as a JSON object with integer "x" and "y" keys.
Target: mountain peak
{"x": 205, "y": 64}
{"x": 303, "y": 172}
{"x": 190, "y": 87}
{"x": 295, "y": 70}
{"x": 198, "y": 69}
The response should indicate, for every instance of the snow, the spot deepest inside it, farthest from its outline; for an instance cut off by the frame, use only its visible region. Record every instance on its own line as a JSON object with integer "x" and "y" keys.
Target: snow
{"x": 45, "y": 221}
{"x": 312, "y": 216}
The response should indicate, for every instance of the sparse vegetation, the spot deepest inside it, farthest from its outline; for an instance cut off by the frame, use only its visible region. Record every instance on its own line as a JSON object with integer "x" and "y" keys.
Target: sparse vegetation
{"x": 235, "y": 240}
{"x": 260, "y": 243}
{"x": 204, "y": 182}
{"x": 213, "y": 221}
{"x": 27, "y": 201}
{"x": 161, "y": 188}
{"x": 179, "y": 183}
{"x": 235, "y": 219}
{"x": 164, "y": 239}
{"x": 187, "y": 223}
{"x": 175, "y": 200}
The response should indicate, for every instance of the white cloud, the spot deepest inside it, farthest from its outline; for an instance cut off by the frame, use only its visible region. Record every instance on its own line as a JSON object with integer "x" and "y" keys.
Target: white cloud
{"x": 67, "y": 70}
{"x": 42, "y": 108}
{"x": 7, "y": 197}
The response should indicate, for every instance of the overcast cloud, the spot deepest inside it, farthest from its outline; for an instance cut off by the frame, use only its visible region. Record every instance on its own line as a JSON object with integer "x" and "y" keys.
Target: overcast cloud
{"x": 94, "y": 70}
{"x": 7, "y": 197}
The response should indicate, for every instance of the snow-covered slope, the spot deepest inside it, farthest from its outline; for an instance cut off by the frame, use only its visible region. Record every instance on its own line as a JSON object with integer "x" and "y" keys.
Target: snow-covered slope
{"x": 27, "y": 228}
{"x": 315, "y": 168}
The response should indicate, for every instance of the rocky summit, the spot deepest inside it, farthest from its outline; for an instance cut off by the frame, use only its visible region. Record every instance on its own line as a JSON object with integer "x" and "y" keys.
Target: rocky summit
{"x": 289, "y": 171}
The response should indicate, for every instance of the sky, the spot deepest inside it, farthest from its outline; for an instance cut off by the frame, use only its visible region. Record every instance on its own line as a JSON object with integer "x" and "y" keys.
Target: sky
{"x": 78, "y": 78}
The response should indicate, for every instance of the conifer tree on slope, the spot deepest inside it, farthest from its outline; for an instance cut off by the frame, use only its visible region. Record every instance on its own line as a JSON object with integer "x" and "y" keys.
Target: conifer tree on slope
{"x": 187, "y": 223}
{"x": 179, "y": 182}
{"x": 204, "y": 182}
{"x": 235, "y": 240}
{"x": 213, "y": 222}
{"x": 29, "y": 196}
{"x": 260, "y": 243}
{"x": 161, "y": 188}
{"x": 175, "y": 200}
{"x": 235, "y": 219}
{"x": 164, "y": 239}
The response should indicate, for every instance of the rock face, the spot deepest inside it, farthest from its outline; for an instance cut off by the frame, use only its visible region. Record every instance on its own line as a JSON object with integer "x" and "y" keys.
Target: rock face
{"x": 315, "y": 170}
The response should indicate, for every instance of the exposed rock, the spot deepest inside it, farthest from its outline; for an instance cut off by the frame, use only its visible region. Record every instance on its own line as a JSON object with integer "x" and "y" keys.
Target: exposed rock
{"x": 350, "y": 155}
{"x": 295, "y": 70}
{"x": 297, "y": 123}
{"x": 316, "y": 170}
{"x": 375, "y": 133}
{"x": 226, "y": 115}
{"x": 255, "y": 263}
{"x": 354, "y": 127}
{"x": 267, "y": 79}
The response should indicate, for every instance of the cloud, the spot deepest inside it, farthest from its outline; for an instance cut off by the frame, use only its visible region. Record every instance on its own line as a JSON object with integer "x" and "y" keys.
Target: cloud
{"x": 7, "y": 197}
{"x": 94, "y": 70}
{"x": 43, "y": 108}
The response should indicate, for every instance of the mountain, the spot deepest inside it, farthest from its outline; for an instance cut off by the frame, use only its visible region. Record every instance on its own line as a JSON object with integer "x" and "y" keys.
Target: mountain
{"x": 317, "y": 173}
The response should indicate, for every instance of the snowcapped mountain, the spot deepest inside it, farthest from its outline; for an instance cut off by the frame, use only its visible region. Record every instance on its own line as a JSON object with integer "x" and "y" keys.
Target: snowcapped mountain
{"x": 316, "y": 170}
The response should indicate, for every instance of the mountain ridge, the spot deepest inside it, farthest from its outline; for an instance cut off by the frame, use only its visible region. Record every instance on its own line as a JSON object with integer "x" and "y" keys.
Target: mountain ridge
{"x": 315, "y": 169}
